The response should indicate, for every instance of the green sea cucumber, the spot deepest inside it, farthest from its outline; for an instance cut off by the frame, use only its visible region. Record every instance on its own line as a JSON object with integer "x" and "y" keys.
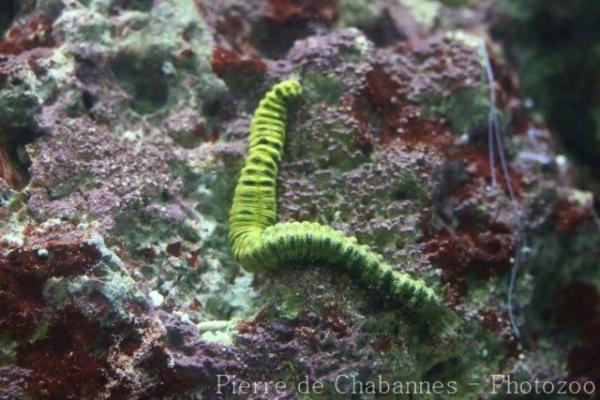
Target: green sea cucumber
{"x": 260, "y": 243}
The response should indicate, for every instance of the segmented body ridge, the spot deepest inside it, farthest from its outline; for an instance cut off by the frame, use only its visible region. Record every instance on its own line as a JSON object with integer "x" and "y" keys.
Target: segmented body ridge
{"x": 259, "y": 243}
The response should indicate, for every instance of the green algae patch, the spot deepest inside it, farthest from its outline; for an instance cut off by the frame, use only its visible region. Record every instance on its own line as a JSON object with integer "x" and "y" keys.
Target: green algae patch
{"x": 357, "y": 13}
{"x": 423, "y": 11}
{"x": 464, "y": 109}
{"x": 8, "y": 349}
{"x": 40, "y": 333}
{"x": 321, "y": 87}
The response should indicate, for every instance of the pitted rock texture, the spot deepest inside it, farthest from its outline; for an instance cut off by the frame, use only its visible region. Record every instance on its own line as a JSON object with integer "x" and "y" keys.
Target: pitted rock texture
{"x": 123, "y": 127}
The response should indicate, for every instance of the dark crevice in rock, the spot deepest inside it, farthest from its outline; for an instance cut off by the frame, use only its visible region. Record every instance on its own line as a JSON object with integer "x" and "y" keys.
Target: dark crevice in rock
{"x": 596, "y": 201}
{"x": 134, "y": 5}
{"x": 8, "y": 11}
{"x": 275, "y": 40}
{"x": 143, "y": 79}
{"x": 383, "y": 32}
{"x": 285, "y": 21}
{"x": 88, "y": 99}
{"x": 14, "y": 160}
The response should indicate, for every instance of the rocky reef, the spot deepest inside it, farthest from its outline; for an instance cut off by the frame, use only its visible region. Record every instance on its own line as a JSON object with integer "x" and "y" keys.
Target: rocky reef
{"x": 123, "y": 127}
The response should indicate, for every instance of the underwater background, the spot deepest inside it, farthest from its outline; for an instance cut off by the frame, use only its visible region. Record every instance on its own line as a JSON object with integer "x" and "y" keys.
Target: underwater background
{"x": 459, "y": 139}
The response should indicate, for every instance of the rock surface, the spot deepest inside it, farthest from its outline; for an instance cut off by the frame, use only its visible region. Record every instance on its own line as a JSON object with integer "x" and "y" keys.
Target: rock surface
{"x": 123, "y": 126}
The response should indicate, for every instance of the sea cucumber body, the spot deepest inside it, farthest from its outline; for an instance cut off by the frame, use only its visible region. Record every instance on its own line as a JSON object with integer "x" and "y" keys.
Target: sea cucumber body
{"x": 259, "y": 243}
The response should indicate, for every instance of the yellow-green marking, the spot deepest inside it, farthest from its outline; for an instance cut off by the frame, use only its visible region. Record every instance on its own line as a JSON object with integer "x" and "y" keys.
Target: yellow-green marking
{"x": 260, "y": 243}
